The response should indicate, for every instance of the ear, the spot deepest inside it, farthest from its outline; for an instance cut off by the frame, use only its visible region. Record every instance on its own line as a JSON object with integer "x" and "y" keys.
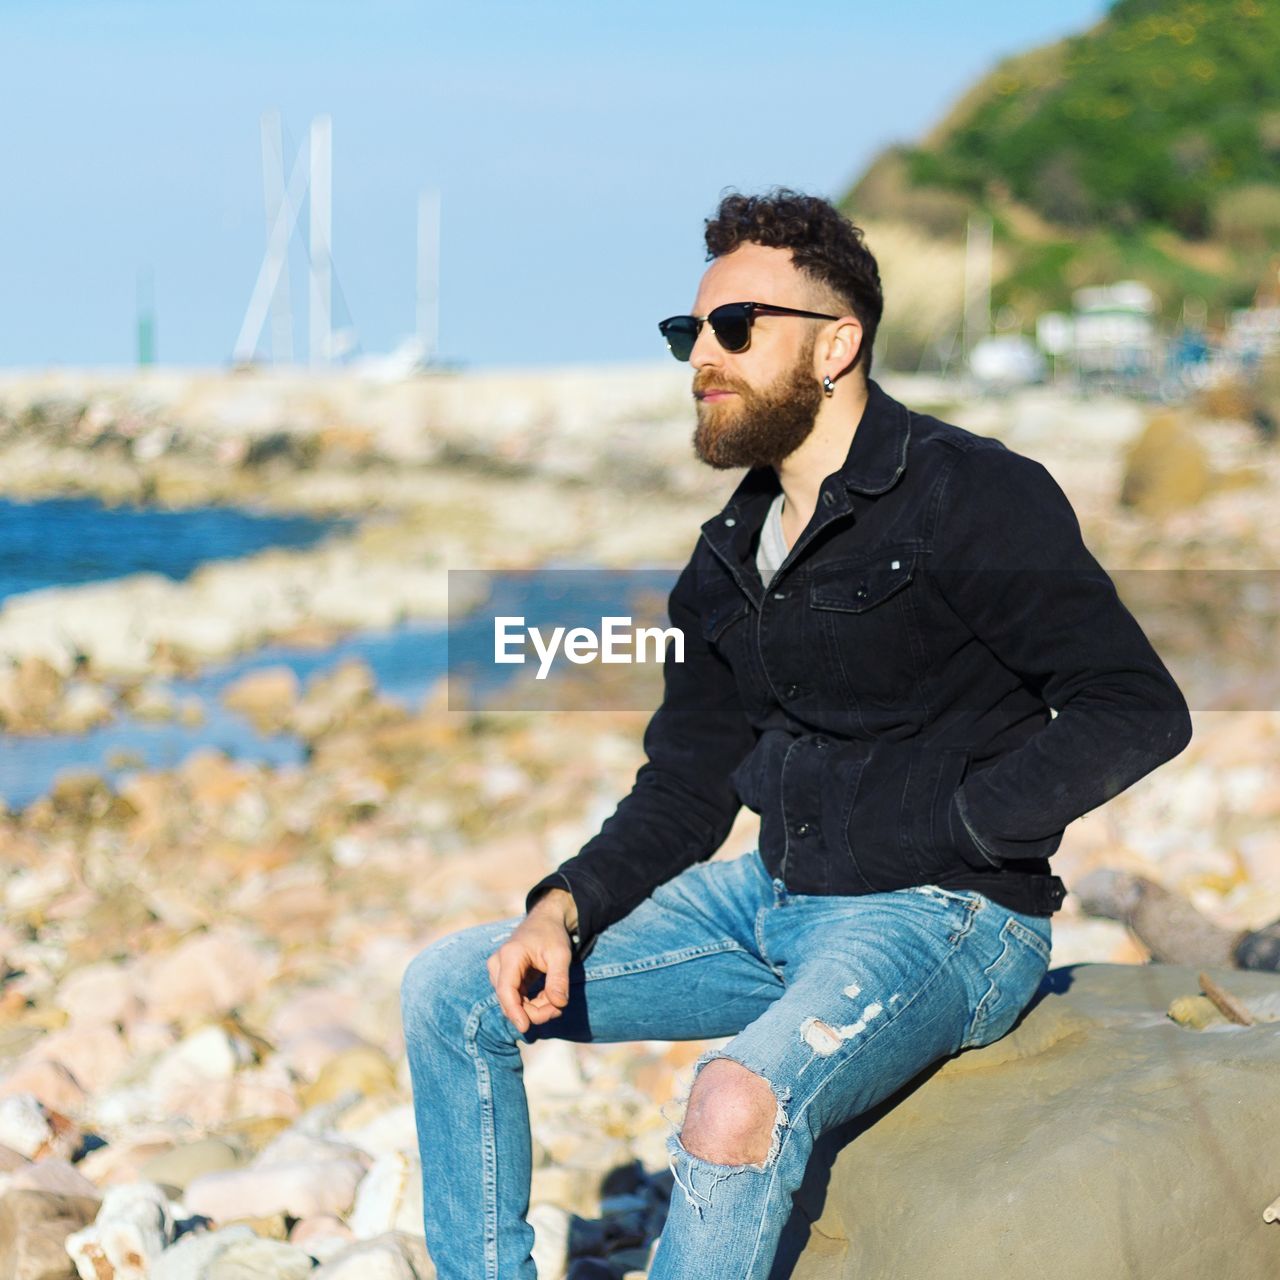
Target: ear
{"x": 835, "y": 353}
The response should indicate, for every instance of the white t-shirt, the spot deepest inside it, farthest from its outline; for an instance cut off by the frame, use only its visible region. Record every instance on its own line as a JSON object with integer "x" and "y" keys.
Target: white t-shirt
{"x": 773, "y": 546}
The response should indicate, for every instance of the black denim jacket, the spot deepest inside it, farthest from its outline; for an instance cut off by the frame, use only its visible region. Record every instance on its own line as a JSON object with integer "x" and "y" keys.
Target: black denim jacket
{"x": 884, "y": 704}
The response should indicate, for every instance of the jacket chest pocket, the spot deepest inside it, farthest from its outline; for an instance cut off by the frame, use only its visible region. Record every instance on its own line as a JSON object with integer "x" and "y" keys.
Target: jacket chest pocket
{"x": 864, "y": 612}
{"x": 723, "y": 609}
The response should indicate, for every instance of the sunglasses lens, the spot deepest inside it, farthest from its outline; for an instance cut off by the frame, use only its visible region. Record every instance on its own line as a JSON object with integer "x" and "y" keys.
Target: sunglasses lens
{"x": 732, "y": 326}
{"x": 681, "y": 332}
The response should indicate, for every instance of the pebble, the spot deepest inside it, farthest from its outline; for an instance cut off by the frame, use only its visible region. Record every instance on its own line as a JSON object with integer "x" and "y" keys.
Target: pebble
{"x": 299, "y": 1189}
{"x": 34, "y": 1226}
{"x": 58, "y": 1176}
{"x": 181, "y": 1165}
{"x": 550, "y": 1225}
{"x": 25, "y": 1126}
{"x": 389, "y": 1197}
{"x": 258, "y": 1259}
{"x": 133, "y": 1227}
{"x": 394, "y": 1256}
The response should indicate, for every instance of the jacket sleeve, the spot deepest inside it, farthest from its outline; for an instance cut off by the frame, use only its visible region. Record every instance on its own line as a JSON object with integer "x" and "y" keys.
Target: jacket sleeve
{"x": 1011, "y": 563}
{"x": 682, "y": 804}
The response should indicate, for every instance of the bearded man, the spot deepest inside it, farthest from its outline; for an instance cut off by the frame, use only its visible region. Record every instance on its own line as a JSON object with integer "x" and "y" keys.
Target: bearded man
{"x": 899, "y": 652}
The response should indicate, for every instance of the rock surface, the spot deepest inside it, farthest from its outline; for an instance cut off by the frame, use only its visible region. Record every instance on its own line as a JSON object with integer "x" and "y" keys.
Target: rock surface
{"x": 1097, "y": 1139}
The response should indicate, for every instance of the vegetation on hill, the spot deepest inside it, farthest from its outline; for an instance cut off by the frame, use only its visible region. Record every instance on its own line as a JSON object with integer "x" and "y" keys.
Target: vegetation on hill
{"x": 1146, "y": 147}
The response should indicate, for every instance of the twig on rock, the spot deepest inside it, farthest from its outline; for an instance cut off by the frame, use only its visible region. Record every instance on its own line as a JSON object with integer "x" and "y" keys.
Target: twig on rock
{"x": 1231, "y": 1008}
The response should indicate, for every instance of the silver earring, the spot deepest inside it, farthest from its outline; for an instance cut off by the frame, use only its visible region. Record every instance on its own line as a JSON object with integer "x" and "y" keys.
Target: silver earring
{"x": 828, "y": 387}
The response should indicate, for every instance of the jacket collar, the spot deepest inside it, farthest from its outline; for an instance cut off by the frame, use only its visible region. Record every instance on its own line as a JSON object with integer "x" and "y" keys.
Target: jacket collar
{"x": 878, "y": 454}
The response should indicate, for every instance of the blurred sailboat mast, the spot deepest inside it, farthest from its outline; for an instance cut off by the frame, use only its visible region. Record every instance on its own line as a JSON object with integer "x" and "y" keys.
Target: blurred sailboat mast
{"x": 428, "y": 301}
{"x": 273, "y": 198}
{"x": 320, "y": 347}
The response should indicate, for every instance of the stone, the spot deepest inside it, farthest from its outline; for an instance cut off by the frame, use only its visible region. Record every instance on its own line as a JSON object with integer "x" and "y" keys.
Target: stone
{"x": 299, "y": 1189}
{"x": 59, "y": 1176}
{"x": 47, "y": 1081}
{"x": 266, "y": 696}
{"x": 133, "y": 1226}
{"x": 1097, "y": 1109}
{"x": 394, "y": 1256}
{"x": 364, "y": 1069}
{"x": 254, "y": 1258}
{"x": 98, "y": 993}
{"x": 1166, "y": 468}
{"x": 34, "y": 1226}
{"x": 211, "y": 1053}
{"x": 389, "y": 1197}
{"x": 205, "y": 976}
{"x": 182, "y": 1165}
{"x": 25, "y": 1125}
{"x": 94, "y": 1053}
{"x": 189, "y": 1257}
{"x": 550, "y": 1225}
{"x": 322, "y": 1235}
{"x": 84, "y": 706}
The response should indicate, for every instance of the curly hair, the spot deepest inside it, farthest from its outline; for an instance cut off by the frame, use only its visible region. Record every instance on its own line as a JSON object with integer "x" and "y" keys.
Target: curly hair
{"x": 824, "y": 245}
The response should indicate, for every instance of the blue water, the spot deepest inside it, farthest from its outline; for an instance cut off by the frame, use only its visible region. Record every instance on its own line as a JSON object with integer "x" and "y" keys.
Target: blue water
{"x": 406, "y": 661}
{"x": 72, "y": 540}
{"x": 63, "y": 541}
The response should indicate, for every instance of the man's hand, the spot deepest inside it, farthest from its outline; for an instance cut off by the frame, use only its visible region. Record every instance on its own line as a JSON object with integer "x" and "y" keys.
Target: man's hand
{"x": 539, "y": 945}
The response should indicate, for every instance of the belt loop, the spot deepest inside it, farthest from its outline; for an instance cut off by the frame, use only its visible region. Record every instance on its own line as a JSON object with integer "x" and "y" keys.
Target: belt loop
{"x": 779, "y": 892}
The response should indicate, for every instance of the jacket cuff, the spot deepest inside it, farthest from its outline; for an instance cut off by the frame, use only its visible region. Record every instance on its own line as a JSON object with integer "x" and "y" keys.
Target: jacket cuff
{"x": 583, "y": 937}
{"x": 965, "y": 841}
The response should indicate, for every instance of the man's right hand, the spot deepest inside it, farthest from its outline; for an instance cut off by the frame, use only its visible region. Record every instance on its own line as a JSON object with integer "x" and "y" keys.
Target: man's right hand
{"x": 540, "y": 944}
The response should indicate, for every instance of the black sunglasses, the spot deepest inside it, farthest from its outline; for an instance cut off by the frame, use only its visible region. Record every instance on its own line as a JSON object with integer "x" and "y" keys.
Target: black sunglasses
{"x": 731, "y": 323}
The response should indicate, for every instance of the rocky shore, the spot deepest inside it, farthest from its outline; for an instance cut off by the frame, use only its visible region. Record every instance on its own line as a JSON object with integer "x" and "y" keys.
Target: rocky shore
{"x": 202, "y": 1070}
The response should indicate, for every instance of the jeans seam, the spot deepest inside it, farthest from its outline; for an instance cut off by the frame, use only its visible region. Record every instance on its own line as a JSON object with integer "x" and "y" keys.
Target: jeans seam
{"x": 488, "y": 1134}
{"x": 663, "y": 961}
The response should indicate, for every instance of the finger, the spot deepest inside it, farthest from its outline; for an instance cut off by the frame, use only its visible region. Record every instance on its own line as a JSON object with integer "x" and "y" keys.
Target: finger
{"x": 539, "y": 1014}
{"x": 556, "y": 966}
{"x": 508, "y": 988}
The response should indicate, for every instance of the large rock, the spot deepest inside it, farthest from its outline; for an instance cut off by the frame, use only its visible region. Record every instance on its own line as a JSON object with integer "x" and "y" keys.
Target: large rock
{"x": 1097, "y": 1139}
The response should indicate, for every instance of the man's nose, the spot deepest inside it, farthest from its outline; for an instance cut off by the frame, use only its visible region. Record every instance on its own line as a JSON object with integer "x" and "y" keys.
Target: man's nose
{"x": 706, "y": 350}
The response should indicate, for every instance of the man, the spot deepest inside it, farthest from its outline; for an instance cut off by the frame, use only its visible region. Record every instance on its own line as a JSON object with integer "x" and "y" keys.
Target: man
{"x": 900, "y": 653}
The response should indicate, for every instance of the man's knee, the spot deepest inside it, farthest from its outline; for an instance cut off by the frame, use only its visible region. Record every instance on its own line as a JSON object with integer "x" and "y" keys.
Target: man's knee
{"x": 452, "y": 968}
{"x": 731, "y": 1114}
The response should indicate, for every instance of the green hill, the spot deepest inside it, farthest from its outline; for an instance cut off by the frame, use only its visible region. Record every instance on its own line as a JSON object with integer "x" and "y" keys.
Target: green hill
{"x": 1147, "y": 147}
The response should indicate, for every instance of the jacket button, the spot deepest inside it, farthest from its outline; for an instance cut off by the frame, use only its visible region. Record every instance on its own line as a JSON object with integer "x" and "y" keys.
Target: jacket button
{"x": 779, "y": 595}
{"x": 861, "y": 592}
{"x": 791, "y": 691}
{"x": 820, "y": 742}
{"x": 828, "y": 497}
{"x": 730, "y": 521}
{"x": 803, "y": 829}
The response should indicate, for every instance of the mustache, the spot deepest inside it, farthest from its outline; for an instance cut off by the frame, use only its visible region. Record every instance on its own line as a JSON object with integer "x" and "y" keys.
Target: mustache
{"x": 704, "y": 382}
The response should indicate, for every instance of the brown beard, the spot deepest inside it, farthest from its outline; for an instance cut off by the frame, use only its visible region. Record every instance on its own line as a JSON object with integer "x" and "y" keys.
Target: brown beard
{"x": 757, "y": 428}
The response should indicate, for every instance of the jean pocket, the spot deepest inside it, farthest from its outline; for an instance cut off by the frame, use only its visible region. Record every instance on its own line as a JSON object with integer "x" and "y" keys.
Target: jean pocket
{"x": 1009, "y": 982}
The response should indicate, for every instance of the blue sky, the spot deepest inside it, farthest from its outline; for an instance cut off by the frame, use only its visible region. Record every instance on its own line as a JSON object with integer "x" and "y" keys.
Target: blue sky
{"x": 577, "y": 147}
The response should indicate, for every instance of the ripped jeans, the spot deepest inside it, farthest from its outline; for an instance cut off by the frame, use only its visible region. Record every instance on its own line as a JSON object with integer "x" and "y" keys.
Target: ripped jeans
{"x": 836, "y": 1002}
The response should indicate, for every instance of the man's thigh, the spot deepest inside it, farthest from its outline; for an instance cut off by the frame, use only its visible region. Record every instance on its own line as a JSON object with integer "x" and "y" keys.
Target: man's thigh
{"x": 878, "y": 989}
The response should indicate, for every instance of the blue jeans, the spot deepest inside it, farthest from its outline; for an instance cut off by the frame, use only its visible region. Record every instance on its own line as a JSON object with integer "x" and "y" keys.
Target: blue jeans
{"x": 837, "y": 1002}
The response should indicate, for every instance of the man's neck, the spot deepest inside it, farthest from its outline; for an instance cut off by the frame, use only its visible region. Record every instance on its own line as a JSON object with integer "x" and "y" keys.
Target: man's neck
{"x": 824, "y": 450}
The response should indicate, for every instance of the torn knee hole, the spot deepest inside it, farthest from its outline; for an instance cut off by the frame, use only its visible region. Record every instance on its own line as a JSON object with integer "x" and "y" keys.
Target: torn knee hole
{"x": 734, "y": 1116}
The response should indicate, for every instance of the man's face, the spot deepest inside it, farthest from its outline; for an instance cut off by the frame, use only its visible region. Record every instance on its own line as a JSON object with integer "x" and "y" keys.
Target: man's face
{"x": 756, "y": 407}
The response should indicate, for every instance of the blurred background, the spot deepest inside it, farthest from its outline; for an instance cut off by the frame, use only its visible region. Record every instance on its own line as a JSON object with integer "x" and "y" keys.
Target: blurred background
{"x": 308, "y": 305}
